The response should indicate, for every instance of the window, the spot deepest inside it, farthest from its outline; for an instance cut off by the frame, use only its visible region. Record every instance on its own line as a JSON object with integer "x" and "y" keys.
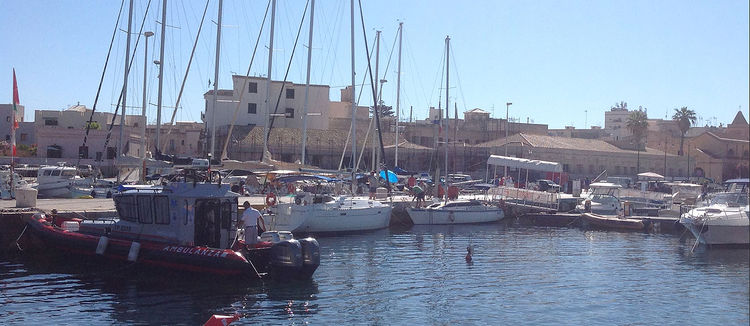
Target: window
{"x": 632, "y": 170}
{"x": 566, "y": 168}
{"x": 47, "y": 172}
{"x": 111, "y": 152}
{"x": 251, "y": 108}
{"x": 183, "y": 142}
{"x": 83, "y": 152}
{"x": 24, "y": 136}
{"x": 161, "y": 209}
{"x": 54, "y": 151}
{"x": 68, "y": 173}
{"x": 135, "y": 124}
{"x": 50, "y": 122}
{"x": 7, "y": 119}
{"x": 252, "y": 87}
{"x": 144, "y": 210}
{"x": 126, "y": 208}
{"x": 290, "y": 93}
{"x": 226, "y": 214}
{"x": 289, "y": 113}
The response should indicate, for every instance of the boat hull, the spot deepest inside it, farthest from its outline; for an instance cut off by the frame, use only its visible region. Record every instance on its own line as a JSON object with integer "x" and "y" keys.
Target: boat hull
{"x": 328, "y": 218}
{"x": 191, "y": 259}
{"x": 718, "y": 235}
{"x": 612, "y": 222}
{"x": 426, "y": 216}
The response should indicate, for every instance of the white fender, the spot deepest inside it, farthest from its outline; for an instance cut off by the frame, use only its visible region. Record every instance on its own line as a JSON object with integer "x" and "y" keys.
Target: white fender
{"x": 135, "y": 248}
{"x": 102, "y": 245}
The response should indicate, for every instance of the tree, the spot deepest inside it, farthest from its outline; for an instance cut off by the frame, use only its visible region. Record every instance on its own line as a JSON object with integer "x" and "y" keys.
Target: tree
{"x": 385, "y": 110}
{"x": 93, "y": 125}
{"x": 620, "y": 106}
{"x": 684, "y": 118}
{"x": 638, "y": 124}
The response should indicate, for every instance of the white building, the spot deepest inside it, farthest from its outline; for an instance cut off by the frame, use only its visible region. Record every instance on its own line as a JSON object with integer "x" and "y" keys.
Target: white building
{"x": 615, "y": 123}
{"x": 252, "y": 109}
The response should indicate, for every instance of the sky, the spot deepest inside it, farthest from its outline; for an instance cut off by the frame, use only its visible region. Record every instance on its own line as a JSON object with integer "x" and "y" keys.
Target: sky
{"x": 561, "y": 63}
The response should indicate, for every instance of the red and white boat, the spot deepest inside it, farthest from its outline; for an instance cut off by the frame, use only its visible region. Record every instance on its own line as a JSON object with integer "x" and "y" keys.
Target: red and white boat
{"x": 183, "y": 226}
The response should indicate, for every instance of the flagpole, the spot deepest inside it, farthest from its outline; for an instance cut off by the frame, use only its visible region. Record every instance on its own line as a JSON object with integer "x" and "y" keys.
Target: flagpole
{"x": 13, "y": 128}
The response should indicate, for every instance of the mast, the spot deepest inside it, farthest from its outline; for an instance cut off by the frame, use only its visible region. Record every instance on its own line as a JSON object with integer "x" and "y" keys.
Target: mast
{"x": 354, "y": 107}
{"x": 125, "y": 85}
{"x": 398, "y": 88}
{"x": 377, "y": 99}
{"x": 307, "y": 83}
{"x": 161, "y": 72}
{"x": 268, "y": 85}
{"x": 143, "y": 108}
{"x": 216, "y": 81}
{"x": 447, "y": 109}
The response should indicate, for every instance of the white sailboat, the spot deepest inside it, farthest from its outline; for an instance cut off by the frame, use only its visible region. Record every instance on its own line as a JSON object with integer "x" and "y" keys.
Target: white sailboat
{"x": 322, "y": 213}
{"x": 460, "y": 211}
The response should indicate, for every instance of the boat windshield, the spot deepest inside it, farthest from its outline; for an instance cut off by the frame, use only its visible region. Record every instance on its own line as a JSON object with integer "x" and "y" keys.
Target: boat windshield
{"x": 610, "y": 191}
{"x": 729, "y": 199}
{"x": 604, "y": 199}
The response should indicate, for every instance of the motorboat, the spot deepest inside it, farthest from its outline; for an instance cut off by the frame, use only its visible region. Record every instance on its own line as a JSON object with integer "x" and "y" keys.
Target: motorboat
{"x": 456, "y": 212}
{"x": 323, "y": 213}
{"x": 55, "y": 181}
{"x": 188, "y": 227}
{"x": 602, "y": 199}
{"x": 721, "y": 220}
{"x": 5, "y": 181}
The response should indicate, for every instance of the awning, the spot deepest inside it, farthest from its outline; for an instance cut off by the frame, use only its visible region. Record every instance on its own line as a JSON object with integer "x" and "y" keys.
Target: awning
{"x": 650, "y": 176}
{"x": 523, "y": 163}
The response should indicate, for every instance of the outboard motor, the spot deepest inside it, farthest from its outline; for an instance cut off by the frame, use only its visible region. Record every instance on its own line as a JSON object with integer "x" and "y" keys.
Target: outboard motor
{"x": 310, "y": 257}
{"x": 286, "y": 259}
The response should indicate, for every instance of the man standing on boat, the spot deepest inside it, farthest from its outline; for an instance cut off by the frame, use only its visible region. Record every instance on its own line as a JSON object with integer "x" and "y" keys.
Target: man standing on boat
{"x": 373, "y": 183}
{"x": 250, "y": 222}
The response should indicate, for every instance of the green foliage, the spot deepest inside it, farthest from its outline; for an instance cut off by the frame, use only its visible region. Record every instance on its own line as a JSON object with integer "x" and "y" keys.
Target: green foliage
{"x": 93, "y": 125}
{"x": 685, "y": 118}
{"x": 638, "y": 124}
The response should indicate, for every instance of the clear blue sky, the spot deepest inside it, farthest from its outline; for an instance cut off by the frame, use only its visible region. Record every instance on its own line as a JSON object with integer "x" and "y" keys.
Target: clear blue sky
{"x": 559, "y": 62}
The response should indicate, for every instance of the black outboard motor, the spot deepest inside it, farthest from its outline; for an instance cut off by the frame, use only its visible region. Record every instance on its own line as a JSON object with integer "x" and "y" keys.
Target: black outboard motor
{"x": 310, "y": 257}
{"x": 286, "y": 259}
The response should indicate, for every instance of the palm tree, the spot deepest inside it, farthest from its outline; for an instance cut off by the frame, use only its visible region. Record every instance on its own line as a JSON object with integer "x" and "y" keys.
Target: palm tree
{"x": 684, "y": 118}
{"x": 638, "y": 124}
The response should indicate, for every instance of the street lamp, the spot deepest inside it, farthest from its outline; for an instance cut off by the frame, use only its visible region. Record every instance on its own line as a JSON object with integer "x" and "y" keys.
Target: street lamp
{"x": 507, "y": 126}
{"x": 143, "y": 107}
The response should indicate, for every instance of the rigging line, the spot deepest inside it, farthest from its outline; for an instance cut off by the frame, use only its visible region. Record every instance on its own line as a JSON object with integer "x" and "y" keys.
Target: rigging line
{"x": 101, "y": 81}
{"x": 410, "y": 54}
{"x": 359, "y": 96}
{"x": 333, "y": 35}
{"x": 242, "y": 90}
{"x": 374, "y": 96}
{"x": 460, "y": 87}
{"x": 119, "y": 100}
{"x": 182, "y": 87}
{"x": 283, "y": 83}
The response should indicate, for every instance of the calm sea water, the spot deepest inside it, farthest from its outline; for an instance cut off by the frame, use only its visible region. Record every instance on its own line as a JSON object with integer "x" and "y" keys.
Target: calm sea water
{"x": 519, "y": 275}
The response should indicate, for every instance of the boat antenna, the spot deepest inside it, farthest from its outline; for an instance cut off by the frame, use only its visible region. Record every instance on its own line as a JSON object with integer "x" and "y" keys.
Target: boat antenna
{"x": 374, "y": 96}
{"x": 101, "y": 81}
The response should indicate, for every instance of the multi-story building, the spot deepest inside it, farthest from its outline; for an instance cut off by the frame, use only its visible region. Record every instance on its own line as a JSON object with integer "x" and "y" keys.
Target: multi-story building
{"x": 615, "y": 123}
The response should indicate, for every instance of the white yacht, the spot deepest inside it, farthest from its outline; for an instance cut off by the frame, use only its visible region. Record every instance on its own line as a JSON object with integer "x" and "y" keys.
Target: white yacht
{"x": 54, "y": 181}
{"x": 722, "y": 221}
{"x": 456, "y": 212}
{"x": 602, "y": 199}
{"x": 322, "y": 213}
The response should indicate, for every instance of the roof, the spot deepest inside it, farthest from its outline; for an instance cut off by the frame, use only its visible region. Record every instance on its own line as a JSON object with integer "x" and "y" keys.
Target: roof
{"x": 739, "y": 119}
{"x": 477, "y": 110}
{"x": 545, "y": 141}
{"x": 731, "y": 140}
{"x": 222, "y": 92}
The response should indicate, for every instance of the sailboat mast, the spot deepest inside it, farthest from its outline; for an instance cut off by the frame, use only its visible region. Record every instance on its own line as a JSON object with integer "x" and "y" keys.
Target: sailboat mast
{"x": 447, "y": 108}
{"x": 161, "y": 72}
{"x": 354, "y": 108}
{"x": 125, "y": 85}
{"x": 216, "y": 80}
{"x": 307, "y": 83}
{"x": 377, "y": 99}
{"x": 268, "y": 84}
{"x": 398, "y": 89}
{"x": 143, "y": 108}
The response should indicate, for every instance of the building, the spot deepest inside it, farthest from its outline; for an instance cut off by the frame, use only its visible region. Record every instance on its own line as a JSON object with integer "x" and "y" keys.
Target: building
{"x": 183, "y": 139}
{"x": 717, "y": 158}
{"x": 615, "y": 123}
{"x": 244, "y": 105}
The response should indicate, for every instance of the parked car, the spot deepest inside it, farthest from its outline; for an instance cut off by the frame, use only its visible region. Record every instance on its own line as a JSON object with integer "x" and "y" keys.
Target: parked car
{"x": 548, "y": 185}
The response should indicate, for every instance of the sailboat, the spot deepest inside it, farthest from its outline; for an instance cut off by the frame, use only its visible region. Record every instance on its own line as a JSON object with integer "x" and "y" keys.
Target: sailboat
{"x": 323, "y": 213}
{"x": 459, "y": 211}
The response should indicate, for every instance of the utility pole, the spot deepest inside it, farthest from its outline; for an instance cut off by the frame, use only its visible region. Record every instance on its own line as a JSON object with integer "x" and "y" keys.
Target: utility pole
{"x": 507, "y": 126}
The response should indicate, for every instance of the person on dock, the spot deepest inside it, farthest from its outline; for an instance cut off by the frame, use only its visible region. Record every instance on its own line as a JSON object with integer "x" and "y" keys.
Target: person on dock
{"x": 418, "y": 194}
{"x": 372, "y": 181}
{"x": 250, "y": 222}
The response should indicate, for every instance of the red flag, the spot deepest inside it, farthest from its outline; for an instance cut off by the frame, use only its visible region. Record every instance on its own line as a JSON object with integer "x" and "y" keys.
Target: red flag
{"x": 16, "y": 101}
{"x": 15, "y": 90}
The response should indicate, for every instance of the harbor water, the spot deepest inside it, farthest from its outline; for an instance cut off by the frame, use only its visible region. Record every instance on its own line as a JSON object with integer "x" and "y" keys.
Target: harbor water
{"x": 415, "y": 276}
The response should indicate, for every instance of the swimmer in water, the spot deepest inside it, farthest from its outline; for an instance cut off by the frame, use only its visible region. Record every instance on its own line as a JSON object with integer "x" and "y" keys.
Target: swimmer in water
{"x": 468, "y": 254}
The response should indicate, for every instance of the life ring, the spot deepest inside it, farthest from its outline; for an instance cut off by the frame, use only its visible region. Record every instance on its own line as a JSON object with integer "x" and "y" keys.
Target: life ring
{"x": 262, "y": 223}
{"x": 271, "y": 199}
{"x": 298, "y": 201}
{"x": 451, "y": 217}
